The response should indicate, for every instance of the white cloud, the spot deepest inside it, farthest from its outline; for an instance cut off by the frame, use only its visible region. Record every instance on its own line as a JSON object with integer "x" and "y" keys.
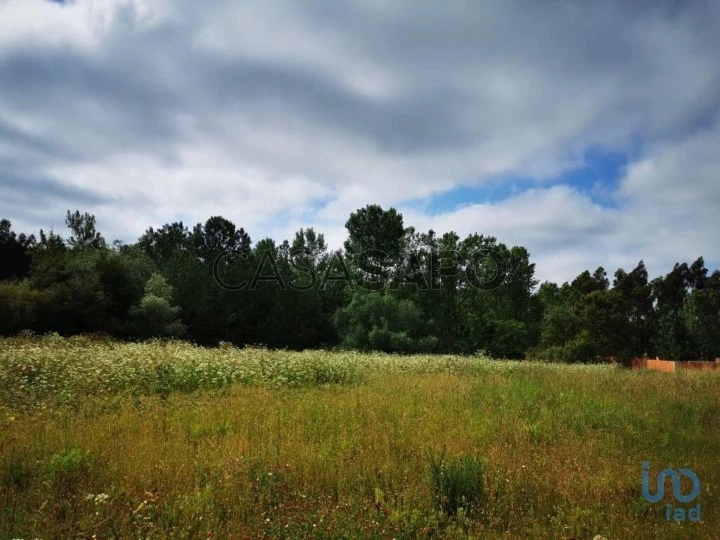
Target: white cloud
{"x": 668, "y": 212}
{"x": 83, "y": 25}
{"x": 280, "y": 116}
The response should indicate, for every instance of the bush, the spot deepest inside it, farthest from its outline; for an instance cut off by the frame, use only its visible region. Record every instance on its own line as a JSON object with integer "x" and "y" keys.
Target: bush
{"x": 457, "y": 483}
{"x": 375, "y": 321}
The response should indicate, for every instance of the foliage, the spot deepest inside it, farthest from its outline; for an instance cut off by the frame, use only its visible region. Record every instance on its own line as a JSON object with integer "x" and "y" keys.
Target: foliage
{"x": 14, "y": 252}
{"x": 381, "y": 322}
{"x": 372, "y": 229}
{"x": 155, "y": 315}
{"x": 68, "y": 468}
{"x": 98, "y": 437}
{"x": 392, "y": 289}
{"x": 457, "y": 483}
{"x": 36, "y": 368}
{"x": 701, "y": 313}
{"x": 674, "y": 316}
{"x": 84, "y": 235}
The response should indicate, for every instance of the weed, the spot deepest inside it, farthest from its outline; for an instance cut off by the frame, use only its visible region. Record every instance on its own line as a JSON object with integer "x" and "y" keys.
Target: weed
{"x": 457, "y": 483}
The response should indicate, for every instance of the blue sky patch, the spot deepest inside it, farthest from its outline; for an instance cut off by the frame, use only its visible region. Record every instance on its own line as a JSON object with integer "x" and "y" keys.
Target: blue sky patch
{"x": 598, "y": 177}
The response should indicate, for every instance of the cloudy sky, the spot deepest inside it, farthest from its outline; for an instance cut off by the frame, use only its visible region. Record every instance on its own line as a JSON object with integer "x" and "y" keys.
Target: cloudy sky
{"x": 587, "y": 131}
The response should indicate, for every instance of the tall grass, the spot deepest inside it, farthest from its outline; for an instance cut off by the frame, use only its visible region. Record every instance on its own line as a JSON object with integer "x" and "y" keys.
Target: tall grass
{"x": 170, "y": 440}
{"x": 457, "y": 483}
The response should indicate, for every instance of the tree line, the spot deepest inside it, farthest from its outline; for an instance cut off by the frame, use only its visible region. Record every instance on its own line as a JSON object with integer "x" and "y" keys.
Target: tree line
{"x": 390, "y": 288}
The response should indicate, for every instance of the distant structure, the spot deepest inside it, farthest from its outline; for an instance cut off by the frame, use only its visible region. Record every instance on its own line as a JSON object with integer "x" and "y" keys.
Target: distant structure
{"x": 671, "y": 366}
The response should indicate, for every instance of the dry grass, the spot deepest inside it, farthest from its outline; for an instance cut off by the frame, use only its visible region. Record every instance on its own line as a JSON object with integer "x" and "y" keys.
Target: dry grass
{"x": 332, "y": 445}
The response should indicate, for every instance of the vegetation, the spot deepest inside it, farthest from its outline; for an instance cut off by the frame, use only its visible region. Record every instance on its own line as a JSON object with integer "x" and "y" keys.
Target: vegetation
{"x": 390, "y": 289}
{"x": 290, "y": 426}
{"x": 457, "y": 484}
{"x": 166, "y": 439}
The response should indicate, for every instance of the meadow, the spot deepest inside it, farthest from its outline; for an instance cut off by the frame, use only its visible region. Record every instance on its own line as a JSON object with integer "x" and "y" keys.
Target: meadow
{"x": 165, "y": 439}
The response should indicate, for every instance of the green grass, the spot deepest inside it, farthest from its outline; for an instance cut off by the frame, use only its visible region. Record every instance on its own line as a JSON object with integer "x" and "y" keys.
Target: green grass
{"x": 171, "y": 440}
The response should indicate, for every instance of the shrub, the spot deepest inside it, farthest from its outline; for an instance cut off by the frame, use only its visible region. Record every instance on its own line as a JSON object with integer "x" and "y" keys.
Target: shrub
{"x": 457, "y": 483}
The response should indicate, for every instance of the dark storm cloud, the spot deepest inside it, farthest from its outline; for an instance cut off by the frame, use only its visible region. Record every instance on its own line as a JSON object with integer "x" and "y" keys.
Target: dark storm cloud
{"x": 414, "y": 122}
{"x": 27, "y": 143}
{"x": 23, "y": 189}
{"x": 92, "y": 108}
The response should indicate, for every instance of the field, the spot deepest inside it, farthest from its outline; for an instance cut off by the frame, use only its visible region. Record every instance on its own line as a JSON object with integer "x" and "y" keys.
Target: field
{"x": 109, "y": 440}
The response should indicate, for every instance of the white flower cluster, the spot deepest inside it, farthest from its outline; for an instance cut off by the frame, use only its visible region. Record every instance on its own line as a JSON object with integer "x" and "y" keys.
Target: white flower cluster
{"x": 100, "y": 498}
{"x": 34, "y": 369}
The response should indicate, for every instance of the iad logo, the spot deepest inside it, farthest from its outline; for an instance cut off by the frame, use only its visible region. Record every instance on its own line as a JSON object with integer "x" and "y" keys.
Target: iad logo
{"x": 676, "y": 514}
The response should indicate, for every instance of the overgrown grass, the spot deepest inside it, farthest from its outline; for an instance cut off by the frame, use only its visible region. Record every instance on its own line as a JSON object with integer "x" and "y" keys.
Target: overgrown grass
{"x": 170, "y": 440}
{"x": 457, "y": 483}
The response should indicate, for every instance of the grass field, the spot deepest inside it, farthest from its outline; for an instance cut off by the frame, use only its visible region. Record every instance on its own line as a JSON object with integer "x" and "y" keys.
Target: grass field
{"x": 170, "y": 440}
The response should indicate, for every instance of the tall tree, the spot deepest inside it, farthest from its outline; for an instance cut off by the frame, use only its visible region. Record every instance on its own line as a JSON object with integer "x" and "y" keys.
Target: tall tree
{"x": 673, "y": 338}
{"x": 701, "y": 313}
{"x": 375, "y": 241}
{"x": 15, "y": 251}
{"x": 637, "y": 303}
{"x": 669, "y": 291}
{"x": 219, "y": 235}
{"x": 83, "y": 232}
{"x": 164, "y": 243}
{"x": 587, "y": 283}
{"x": 697, "y": 274}
{"x": 560, "y": 322}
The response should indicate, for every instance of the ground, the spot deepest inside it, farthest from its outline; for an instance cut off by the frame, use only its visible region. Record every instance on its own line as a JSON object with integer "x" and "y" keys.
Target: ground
{"x": 172, "y": 440}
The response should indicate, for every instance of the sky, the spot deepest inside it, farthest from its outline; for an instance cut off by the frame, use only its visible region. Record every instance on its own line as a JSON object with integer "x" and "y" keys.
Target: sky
{"x": 587, "y": 131}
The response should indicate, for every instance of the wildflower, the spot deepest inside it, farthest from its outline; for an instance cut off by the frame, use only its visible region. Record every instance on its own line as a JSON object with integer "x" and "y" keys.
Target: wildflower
{"x": 100, "y": 498}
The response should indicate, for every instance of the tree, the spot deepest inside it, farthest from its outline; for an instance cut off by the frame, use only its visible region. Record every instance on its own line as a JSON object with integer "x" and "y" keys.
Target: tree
{"x": 122, "y": 277}
{"x": 52, "y": 243}
{"x": 309, "y": 249}
{"x": 587, "y": 283}
{"x": 442, "y": 294}
{"x": 375, "y": 241}
{"x": 697, "y": 274}
{"x": 218, "y": 236}
{"x": 509, "y": 300}
{"x": 285, "y": 302}
{"x": 155, "y": 316}
{"x": 15, "y": 250}
{"x": 669, "y": 291}
{"x": 637, "y": 303}
{"x": 701, "y": 314}
{"x": 162, "y": 244}
{"x": 713, "y": 281}
{"x": 603, "y": 322}
{"x": 493, "y": 294}
{"x": 74, "y": 299}
{"x": 83, "y": 233}
{"x": 673, "y": 338}
{"x": 583, "y": 321}
{"x": 559, "y": 322}
{"x": 380, "y": 321}
{"x": 19, "y": 304}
